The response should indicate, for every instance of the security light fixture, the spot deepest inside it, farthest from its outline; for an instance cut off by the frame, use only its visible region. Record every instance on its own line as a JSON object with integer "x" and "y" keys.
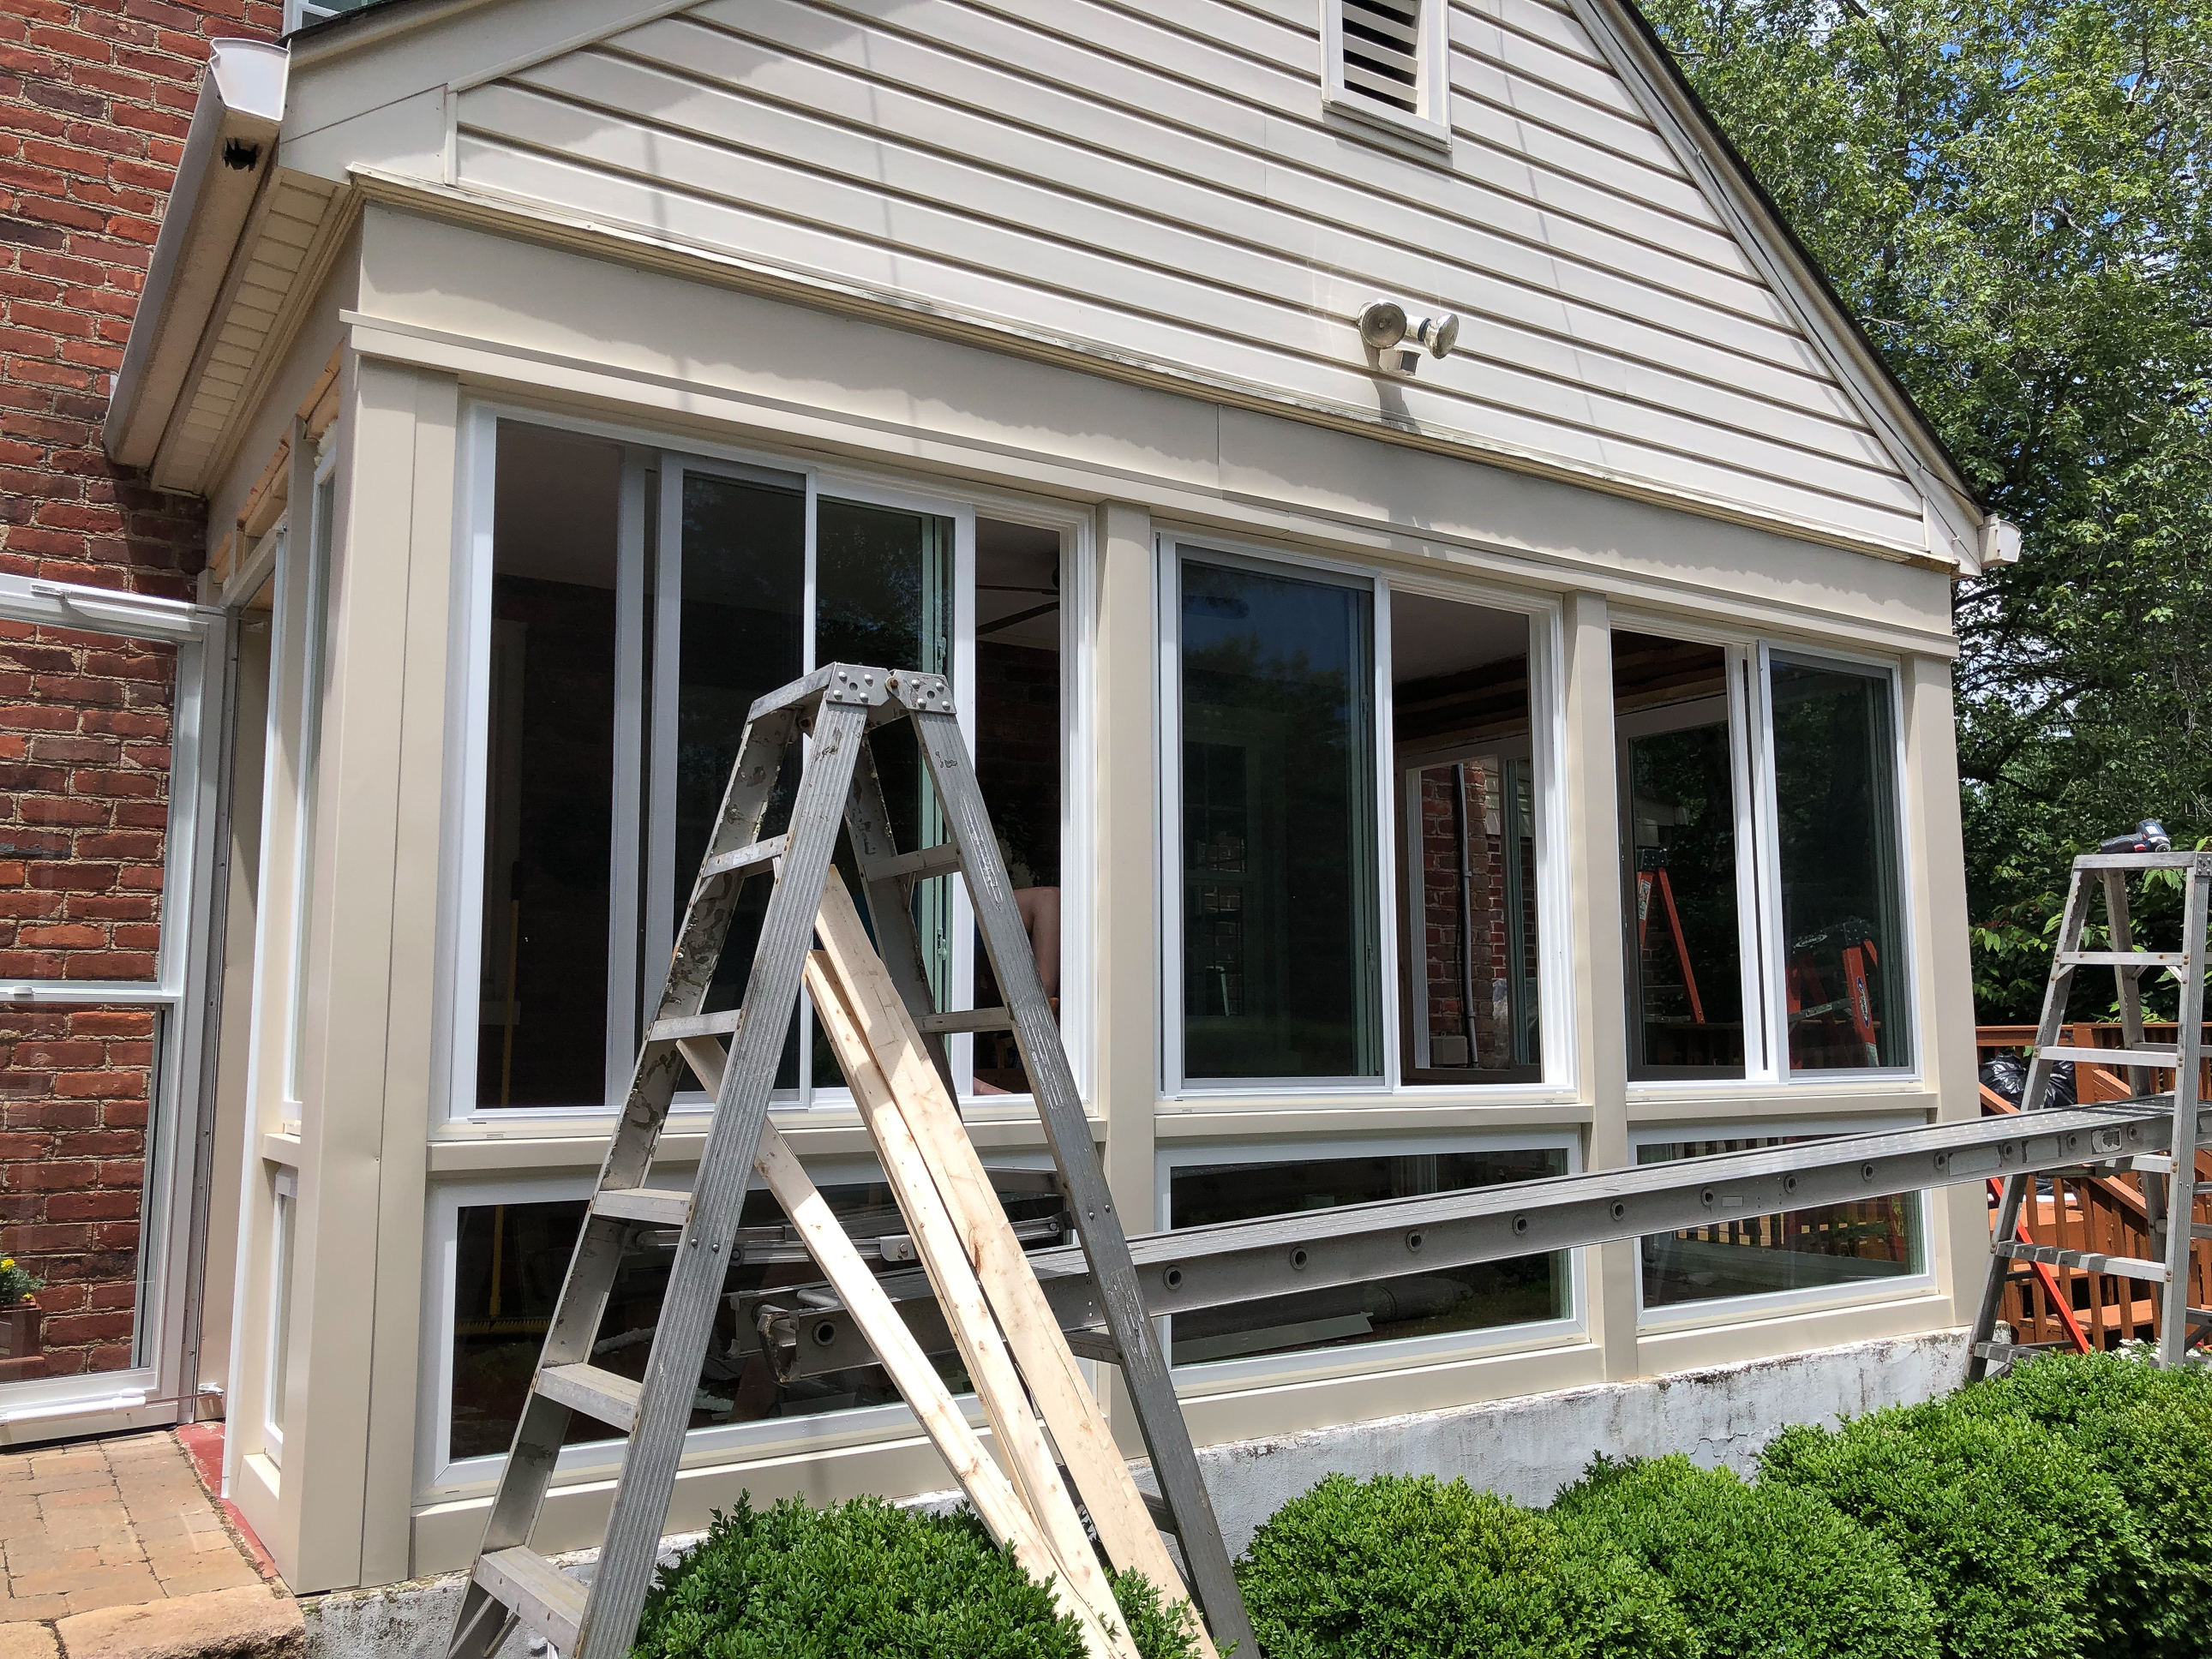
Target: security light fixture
{"x": 1384, "y": 330}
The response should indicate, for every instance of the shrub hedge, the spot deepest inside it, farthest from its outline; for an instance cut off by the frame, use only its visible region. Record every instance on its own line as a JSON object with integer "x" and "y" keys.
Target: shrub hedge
{"x": 2063, "y": 1512}
{"x": 866, "y": 1580}
{"x": 2019, "y": 1541}
{"x": 1403, "y": 1567}
{"x": 1756, "y": 1570}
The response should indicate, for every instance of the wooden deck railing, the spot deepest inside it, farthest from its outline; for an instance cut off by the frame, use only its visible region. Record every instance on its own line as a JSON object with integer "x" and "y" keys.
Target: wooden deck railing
{"x": 2103, "y": 1213}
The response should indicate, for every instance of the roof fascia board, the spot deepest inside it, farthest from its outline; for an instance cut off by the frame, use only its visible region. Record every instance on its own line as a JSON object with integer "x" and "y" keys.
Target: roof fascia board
{"x": 239, "y": 112}
{"x": 1629, "y": 45}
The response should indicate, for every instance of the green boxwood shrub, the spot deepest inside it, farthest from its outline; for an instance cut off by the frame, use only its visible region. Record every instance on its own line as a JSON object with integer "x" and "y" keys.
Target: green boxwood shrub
{"x": 2150, "y": 1431}
{"x": 1401, "y": 1567}
{"x": 1760, "y": 1572}
{"x": 2022, "y": 1543}
{"x": 866, "y": 1580}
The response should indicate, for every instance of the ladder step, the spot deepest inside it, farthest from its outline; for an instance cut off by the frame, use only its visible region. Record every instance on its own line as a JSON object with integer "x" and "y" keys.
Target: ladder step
{"x": 2149, "y": 1054}
{"x": 2200, "y": 1229}
{"x": 942, "y": 859}
{"x": 968, "y": 1019}
{"x": 2151, "y": 1163}
{"x": 602, "y": 1394}
{"x": 744, "y": 858}
{"x": 2127, "y": 1267}
{"x": 1094, "y": 1344}
{"x": 694, "y": 1025}
{"x": 2124, "y": 958}
{"x": 543, "y": 1596}
{"x": 2007, "y": 1350}
{"x": 658, "y": 1205}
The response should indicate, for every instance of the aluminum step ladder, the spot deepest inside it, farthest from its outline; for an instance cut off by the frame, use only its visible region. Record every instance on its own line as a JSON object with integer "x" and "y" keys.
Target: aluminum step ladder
{"x": 2169, "y": 1179}
{"x": 836, "y": 707}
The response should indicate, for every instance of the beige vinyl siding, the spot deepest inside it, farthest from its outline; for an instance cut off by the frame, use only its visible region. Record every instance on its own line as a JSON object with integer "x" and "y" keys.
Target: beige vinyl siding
{"x": 1172, "y": 193}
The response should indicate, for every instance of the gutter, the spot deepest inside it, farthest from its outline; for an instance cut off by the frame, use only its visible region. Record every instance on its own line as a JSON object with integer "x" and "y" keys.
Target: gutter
{"x": 228, "y": 155}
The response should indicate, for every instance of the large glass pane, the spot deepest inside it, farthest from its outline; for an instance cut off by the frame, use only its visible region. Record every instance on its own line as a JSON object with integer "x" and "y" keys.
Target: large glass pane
{"x": 1835, "y": 794}
{"x": 1018, "y": 755}
{"x": 550, "y": 790}
{"x": 75, "y": 1098}
{"x": 1865, "y": 1241}
{"x": 742, "y": 636}
{"x": 84, "y": 802}
{"x": 509, "y": 1263}
{"x": 1679, "y": 858}
{"x": 1461, "y": 724}
{"x": 1281, "y": 970}
{"x": 1481, "y": 1298}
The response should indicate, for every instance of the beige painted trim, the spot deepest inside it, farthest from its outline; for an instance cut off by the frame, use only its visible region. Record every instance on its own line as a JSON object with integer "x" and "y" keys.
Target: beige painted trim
{"x": 533, "y": 222}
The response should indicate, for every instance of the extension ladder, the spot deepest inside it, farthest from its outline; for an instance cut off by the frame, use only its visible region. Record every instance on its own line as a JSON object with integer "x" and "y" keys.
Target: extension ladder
{"x": 878, "y": 1013}
{"x": 2169, "y": 1179}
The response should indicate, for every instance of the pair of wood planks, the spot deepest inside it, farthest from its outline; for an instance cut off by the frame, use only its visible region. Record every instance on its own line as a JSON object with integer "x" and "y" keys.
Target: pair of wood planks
{"x": 1003, "y": 1325}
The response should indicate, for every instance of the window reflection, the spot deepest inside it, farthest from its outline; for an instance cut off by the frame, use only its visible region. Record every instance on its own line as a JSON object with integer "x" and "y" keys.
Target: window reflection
{"x": 1467, "y": 811}
{"x": 1835, "y": 796}
{"x": 1490, "y": 1294}
{"x": 1281, "y": 970}
{"x": 1685, "y": 944}
{"x": 1872, "y": 1239}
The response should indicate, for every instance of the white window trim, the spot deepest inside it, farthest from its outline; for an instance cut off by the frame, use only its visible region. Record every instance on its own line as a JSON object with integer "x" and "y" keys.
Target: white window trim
{"x": 440, "y": 1477}
{"x": 1738, "y": 1310}
{"x": 1321, "y": 1365}
{"x": 1776, "y": 961}
{"x": 303, "y": 601}
{"x": 148, "y": 1392}
{"x": 1431, "y": 123}
{"x": 284, "y": 1220}
{"x": 465, "y": 825}
{"x": 1554, "y": 983}
{"x": 1758, "y": 877}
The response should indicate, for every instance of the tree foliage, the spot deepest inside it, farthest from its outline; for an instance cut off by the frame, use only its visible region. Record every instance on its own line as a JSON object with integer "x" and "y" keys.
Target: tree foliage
{"x": 2010, "y": 195}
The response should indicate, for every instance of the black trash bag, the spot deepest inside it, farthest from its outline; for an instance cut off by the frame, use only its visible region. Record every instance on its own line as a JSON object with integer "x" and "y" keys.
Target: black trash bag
{"x": 2006, "y": 1075}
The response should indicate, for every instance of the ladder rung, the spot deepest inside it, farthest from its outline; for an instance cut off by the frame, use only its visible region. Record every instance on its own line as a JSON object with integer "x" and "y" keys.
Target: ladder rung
{"x": 658, "y": 1205}
{"x": 2090, "y": 1261}
{"x": 941, "y": 859}
{"x": 2200, "y": 1229}
{"x": 2151, "y": 1163}
{"x": 694, "y": 1025}
{"x": 968, "y": 1019}
{"x": 610, "y": 1398}
{"x": 543, "y": 1596}
{"x": 2122, "y": 959}
{"x": 1094, "y": 1344}
{"x": 2157, "y": 1058}
{"x": 744, "y": 858}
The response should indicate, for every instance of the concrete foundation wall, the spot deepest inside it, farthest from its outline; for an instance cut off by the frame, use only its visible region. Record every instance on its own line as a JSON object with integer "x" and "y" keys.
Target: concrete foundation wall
{"x": 1524, "y": 1448}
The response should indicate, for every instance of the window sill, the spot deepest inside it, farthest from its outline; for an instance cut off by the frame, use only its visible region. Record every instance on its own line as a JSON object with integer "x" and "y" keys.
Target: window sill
{"x": 581, "y": 1142}
{"x": 1667, "y": 1103}
{"x": 1234, "y": 1116}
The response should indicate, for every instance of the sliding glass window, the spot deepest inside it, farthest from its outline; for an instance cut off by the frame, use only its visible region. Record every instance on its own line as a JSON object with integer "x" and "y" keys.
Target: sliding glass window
{"x": 1353, "y": 818}
{"x": 637, "y": 603}
{"x": 1762, "y": 882}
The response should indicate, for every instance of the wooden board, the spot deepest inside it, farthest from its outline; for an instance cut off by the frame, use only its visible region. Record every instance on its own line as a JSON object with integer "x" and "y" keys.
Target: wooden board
{"x": 1070, "y": 1410}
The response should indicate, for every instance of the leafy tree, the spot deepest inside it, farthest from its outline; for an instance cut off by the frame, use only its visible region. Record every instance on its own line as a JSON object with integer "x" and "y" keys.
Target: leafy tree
{"x": 2010, "y": 196}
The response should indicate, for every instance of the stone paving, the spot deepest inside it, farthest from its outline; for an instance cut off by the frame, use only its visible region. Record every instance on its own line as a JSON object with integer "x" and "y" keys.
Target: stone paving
{"x": 109, "y": 1523}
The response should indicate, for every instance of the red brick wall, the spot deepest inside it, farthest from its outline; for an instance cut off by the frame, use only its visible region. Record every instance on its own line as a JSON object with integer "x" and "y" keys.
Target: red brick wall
{"x": 95, "y": 102}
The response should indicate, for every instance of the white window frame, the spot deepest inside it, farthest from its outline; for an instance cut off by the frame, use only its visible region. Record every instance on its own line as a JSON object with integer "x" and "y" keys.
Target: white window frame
{"x": 151, "y": 1389}
{"x": 1731, "y": 1310}
{"x": 1759, "y": 867}
{"x": 441, "y": 1477}
{"x": 302, "y": 601}
{"x": 636, "y": 765}
{"x": 1554, "y": 985}
{"x": 1775, "y": 965}
{"x": 1430, "y": 121}
{"x": 1213, "y": 1377}
{"x": 284, "y": 1230}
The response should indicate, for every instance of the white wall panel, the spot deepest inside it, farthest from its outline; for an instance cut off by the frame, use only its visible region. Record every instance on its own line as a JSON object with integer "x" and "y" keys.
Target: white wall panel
{"x": 1171, "y": 191}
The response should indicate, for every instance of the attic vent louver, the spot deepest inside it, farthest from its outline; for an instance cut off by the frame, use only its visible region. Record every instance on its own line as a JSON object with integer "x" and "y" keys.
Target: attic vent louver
{"x": 1384, "y": 61}
{"x": 1383, "y": 52}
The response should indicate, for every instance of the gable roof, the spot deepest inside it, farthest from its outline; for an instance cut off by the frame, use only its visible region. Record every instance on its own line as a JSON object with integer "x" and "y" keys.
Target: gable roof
{"x": 1168, "y": 202}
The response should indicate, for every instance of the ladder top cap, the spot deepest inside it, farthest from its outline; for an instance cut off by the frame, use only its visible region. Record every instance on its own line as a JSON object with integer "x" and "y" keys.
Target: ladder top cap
{"x": 858, "y": 685}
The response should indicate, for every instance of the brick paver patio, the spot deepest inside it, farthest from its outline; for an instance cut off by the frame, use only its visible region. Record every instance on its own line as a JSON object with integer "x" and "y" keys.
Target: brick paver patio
{"x": 110, "y": 1523}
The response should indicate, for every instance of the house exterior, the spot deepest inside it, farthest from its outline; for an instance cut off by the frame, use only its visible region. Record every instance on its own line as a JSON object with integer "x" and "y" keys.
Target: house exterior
{"x": 1422, "y": 771}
